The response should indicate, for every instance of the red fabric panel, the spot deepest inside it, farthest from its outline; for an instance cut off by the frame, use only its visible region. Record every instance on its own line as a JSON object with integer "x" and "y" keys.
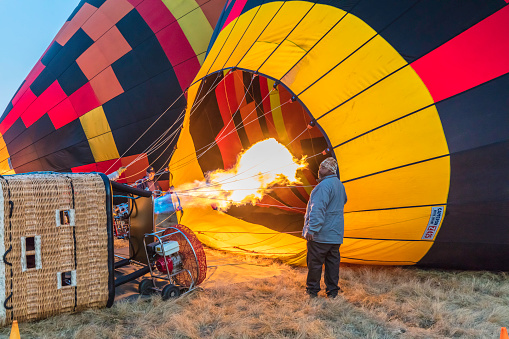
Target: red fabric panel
{"x": 71, "y": 27}
{"x": 212, "y": 10}
{"x": 156, "y": 14}
{"x": 85, "y": 168}
{"x": 251, "y": 123}
{"x": 109, "y": 48}
{"x": 180, "y": 53}
{"x": 136, "y": 170}
{"x": 34, "y": 73}
{"x": 223, "y": 102}
{"x": 235, "y": 12}
{"x": 478, "y": 55}
{"x": 135, "y": 2}
{"x": 106, "y": 85}
{"x": 186, "y": 72}
{"x": 18, "y": 109}
{"x": 84, "y": 100}
{"x": 46, "y": 101}
{"x": 108, "y": 166}
{"x": 62, "y": 114}
{"x": 230, "y": 144}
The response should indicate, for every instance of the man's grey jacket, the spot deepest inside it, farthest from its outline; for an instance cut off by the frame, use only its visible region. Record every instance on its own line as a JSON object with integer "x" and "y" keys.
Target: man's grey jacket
{"x": 324, "y": 213}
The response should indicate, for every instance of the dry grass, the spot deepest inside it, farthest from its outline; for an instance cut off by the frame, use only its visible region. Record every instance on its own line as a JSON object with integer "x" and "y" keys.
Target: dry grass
{"x": 378, "y": 302}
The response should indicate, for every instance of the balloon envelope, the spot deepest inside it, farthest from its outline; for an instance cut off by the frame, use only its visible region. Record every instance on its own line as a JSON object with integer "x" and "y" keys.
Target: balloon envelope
{"x": 408, "y": 96}
{"x": 106, "y": 79}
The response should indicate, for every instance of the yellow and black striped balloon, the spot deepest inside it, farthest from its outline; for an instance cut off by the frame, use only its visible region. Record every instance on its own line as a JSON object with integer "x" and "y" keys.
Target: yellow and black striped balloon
{"x": 409, "y": 96}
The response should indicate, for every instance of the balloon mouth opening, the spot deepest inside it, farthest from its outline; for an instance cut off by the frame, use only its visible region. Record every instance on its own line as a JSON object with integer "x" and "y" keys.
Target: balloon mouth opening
{"x": 235, "y": 109}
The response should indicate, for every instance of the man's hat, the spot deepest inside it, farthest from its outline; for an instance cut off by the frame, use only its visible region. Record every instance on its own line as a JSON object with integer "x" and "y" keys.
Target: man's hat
{"x": 331, "y": 164}
{"x": 150, "y": 169}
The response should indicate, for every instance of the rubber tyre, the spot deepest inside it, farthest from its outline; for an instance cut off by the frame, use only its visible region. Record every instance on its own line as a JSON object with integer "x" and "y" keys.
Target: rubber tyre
{"x": 145, "y": 287}
{"x": 170, "y": 291}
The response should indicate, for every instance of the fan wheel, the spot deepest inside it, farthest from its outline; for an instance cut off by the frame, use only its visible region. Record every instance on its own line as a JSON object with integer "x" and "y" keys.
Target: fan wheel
{"x": 196, "y": 265}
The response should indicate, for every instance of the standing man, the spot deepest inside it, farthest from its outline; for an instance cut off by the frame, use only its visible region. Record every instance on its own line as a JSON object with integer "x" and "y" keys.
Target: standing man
{"x": 324, "y": 227}
{"x": 150, "y": 184}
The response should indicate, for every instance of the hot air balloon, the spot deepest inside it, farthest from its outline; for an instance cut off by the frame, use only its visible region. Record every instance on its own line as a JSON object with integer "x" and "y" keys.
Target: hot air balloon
{"x": 109, "y": 90}
{"x": 409, "y": 97}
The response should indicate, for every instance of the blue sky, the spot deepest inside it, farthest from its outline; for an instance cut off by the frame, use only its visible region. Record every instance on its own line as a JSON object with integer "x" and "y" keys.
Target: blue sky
{"x": 26, "y": 29}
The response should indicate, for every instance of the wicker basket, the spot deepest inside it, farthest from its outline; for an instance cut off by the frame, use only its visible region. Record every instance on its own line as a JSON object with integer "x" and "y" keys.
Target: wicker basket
{"x": 56, "y": 243}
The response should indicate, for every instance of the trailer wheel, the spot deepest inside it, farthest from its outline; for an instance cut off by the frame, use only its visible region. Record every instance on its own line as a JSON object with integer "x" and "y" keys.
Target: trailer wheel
{"x": 170, "y": 291}
{"x": 145, "y": 287}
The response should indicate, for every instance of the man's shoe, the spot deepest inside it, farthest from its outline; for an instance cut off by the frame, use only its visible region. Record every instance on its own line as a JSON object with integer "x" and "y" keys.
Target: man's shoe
{"x": 311, "y": 295}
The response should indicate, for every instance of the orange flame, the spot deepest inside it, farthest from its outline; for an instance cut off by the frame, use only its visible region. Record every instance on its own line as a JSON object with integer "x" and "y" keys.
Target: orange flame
{"x": 264, "y": 165}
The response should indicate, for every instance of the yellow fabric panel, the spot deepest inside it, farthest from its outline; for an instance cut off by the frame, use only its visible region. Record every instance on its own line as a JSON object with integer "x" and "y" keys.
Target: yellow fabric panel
{"x": 277, "y": 114}
{"x": 383, "y": 252}
{"x": 412, "y": 139}
{"x": 103, "y": 147}
{"x": 194, "y": 24}
{"x": 237, "y": 28}
{"x": 365, "y": 67}
{"x": 261, "y": 20}
{"x": 397, "y": 224}
{"x": 94, "y": 123}
{"x": 303, "y": 37}
{"x": 98, "y": 132}
{"x": 4, "y": 156}
{"x": 420, "y": 184}
{"x": 392, "y": 98}
{"x": 219, "y": 230}
{"x": 184, "y": 165}
{"x": 351, "y": 32}
{"x": 277, "y": 30}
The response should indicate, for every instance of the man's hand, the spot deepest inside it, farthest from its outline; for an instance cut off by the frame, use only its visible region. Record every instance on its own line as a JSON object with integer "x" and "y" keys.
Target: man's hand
{"x": 309, "y": 236}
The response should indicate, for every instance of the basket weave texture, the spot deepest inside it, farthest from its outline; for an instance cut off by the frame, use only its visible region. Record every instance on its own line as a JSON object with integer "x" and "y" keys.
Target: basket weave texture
{"x": 83, "y": 248}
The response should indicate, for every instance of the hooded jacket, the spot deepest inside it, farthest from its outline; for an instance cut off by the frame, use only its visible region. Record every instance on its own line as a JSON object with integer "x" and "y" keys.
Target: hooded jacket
{"x": 324, "y": 213}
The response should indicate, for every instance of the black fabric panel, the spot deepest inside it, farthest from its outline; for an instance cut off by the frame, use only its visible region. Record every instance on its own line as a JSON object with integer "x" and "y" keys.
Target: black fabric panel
{"x": 248, "y": 83}
{"x": 143, "y": 103}
{"x": 50, "y": 54}
{"x": 427, "y": 25}
{"x": 76, "y": 45}
{"x": 96, "y": 3}
{"x": 483, "y": 257}
{"x": 72, "y": 79}
{"x": 7, "y": 110}
{"x": 480, "y": 175}
{"x": 477, "y": 117}
{"x": 237, "y": 120}
{"x": 205, "y": 123}
{"x": 17, "y": 128}
{"x": 63, "y": 160}
{"x": 257, "y": 94}
{"x": 166, "y": 88}
{"x": 271, "y": 217}
{"x": 134, "y": 29}
{"x": 129, "y": 71}
{"x": 476, "y": 218}
{"x": 42, "y": 82}
{"x": 119, "y": 112}
{"x": 125, "y": 136}
{"x": 42, "y": 140}
{"x": 152, "y": 57}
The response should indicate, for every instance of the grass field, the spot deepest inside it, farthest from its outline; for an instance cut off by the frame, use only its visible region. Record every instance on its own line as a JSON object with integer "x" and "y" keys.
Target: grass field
{"x": 377, "y": 302}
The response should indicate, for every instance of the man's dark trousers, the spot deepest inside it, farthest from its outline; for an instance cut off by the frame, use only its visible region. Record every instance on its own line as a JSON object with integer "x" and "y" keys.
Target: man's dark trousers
{"x": 318, "y": 255}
